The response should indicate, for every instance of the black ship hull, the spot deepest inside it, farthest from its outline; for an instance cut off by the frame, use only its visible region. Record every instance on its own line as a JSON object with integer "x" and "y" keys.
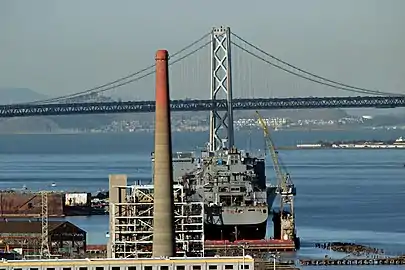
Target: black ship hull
{"x": 83, "y": 211}
{"x": 228, "y": 232}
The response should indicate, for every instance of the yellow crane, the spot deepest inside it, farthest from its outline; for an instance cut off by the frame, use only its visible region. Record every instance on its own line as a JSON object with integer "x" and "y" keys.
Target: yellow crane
{"x": 285, "y": 188}
{"x": 284, "y": 182}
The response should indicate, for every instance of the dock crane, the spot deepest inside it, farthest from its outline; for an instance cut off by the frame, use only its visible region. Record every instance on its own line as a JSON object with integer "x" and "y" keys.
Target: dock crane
{"x": 45, "y": 251}
{"x": 284, "y": 221}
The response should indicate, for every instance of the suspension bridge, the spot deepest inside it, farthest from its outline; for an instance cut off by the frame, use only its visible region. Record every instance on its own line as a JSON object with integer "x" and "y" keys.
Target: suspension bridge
{"x": 225, "y": 48}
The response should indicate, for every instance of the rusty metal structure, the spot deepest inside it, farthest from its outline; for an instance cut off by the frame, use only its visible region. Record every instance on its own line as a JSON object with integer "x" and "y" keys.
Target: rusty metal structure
{"x": 65, "y": 240}
{"x": 29, "y": 204}
{"x": 45, "y": 225}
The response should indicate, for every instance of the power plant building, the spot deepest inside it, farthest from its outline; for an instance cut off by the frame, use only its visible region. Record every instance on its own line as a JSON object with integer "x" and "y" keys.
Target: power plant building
{"x": 131, "y": 232}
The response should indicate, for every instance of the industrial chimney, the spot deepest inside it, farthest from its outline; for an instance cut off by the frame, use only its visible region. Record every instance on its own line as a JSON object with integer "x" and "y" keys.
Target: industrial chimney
{"x": 163, "y": 217}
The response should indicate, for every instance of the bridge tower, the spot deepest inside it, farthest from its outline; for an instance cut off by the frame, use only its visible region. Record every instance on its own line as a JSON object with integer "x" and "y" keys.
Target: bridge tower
{"x": 221, "y": 122}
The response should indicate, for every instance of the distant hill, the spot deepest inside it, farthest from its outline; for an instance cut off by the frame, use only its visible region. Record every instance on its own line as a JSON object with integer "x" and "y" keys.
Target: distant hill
{"x": 43, "y": 124}
{"x": 19, "y": 95}
{"x": 28, "y": 125}
{"x": 17, "y": 125}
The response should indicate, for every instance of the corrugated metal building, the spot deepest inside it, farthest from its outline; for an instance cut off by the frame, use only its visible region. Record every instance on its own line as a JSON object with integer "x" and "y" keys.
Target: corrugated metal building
{"x": 65, "y": 239}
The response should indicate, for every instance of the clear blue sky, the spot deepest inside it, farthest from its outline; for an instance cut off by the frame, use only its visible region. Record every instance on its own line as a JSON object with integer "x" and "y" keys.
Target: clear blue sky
{"x": 58, "y": 47}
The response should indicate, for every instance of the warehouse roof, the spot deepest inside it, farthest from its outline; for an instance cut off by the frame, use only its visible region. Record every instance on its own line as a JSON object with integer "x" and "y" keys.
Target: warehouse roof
{"x": 17, "y": 226}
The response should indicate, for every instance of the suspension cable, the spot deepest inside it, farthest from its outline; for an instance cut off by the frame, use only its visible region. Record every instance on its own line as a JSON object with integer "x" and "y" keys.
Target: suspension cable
{"x": 100, "y": 87}
{"x": 345, "y": 86}
{"x": 154, "y": 71}
{"x": 371, "y": 92}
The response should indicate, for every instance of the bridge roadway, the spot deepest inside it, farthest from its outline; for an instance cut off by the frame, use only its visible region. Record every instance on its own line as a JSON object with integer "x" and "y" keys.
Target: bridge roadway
{"x": 25, "y": 110}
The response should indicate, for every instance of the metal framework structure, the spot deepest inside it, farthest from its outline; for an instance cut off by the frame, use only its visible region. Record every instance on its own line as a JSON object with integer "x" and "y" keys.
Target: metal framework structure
{"x": 25, "y": 110}
{"x": 65, "y": 239}
{"x": 285, "y": 188}
{"x": 221, "y": 123}
{"x": 45, "y": 252}
{"x": 132, "y": 223}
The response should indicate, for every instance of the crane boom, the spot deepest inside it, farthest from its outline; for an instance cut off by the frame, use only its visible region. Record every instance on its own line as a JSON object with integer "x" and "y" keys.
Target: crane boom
{"x": 283, "y": 179}
{"x": 45, "y": 225}
{"x": 284, "y": 220}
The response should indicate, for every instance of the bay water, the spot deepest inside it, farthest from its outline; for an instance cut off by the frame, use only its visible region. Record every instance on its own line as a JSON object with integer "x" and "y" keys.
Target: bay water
{"x": 342, "y": 195}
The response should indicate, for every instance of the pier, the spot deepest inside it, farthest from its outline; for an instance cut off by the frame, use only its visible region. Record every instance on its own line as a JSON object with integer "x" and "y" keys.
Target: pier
{"x": 353, "y": 261}
{"x": 267, "y": 265}
{"x": 351, "y": 248}
{"x": 256, "y": 247}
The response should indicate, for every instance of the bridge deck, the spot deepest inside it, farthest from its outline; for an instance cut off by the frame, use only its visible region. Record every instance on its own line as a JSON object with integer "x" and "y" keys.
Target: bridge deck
{"x": 24, "y": 110}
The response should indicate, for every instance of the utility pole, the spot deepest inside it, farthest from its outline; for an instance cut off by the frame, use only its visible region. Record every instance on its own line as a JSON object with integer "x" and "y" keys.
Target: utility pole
{"x": 45, "y": 252}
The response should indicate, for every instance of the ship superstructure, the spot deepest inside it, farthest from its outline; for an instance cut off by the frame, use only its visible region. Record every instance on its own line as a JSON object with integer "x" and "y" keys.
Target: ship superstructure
{"x": 232, "y": 186}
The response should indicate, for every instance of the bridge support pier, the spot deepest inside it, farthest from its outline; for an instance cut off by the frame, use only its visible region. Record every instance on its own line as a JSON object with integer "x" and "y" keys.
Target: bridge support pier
{"x": 221, "y": 122}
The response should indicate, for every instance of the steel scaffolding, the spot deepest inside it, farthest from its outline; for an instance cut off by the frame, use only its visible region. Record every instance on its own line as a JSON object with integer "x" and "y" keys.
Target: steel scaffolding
{"x": 132, "y": 224}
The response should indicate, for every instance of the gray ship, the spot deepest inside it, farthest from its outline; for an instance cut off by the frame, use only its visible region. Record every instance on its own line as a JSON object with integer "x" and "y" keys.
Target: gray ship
{"x": 232, "y": 185}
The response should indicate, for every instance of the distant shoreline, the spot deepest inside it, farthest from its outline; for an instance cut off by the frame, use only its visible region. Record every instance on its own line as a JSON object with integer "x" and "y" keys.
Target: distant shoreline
{"x": 192, "y": 131}
{"x": 332, "y": 148}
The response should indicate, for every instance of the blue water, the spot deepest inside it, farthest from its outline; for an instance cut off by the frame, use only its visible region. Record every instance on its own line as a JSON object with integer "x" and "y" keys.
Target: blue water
{"x": 343, "y": 195}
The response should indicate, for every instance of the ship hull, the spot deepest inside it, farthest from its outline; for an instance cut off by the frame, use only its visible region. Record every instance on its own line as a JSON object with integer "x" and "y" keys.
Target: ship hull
{"x": 227, "y": 232}
{"x": 271, "y": 195}
{"x": 237, "y": 223}
{"x": 83, "y": 211}
{"x": 240, "y": 223}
